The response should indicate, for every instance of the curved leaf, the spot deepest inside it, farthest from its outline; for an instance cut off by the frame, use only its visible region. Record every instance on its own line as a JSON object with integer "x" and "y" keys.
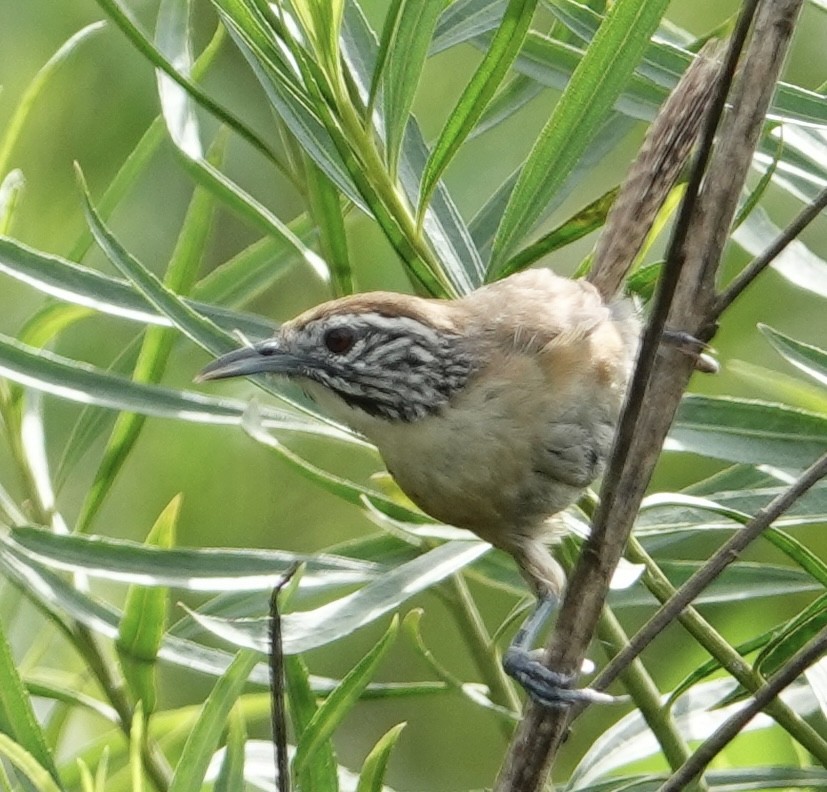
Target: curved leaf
{"x": 305, "y": 630}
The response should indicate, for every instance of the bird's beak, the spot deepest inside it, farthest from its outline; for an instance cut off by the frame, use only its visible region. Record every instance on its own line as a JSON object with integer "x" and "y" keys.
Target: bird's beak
{"x": 266, "y": 357}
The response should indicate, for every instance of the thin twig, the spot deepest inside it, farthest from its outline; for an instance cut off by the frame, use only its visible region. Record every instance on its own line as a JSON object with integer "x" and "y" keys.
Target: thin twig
{"x": 708, "y": 638}
{"x": 730, "y": 729}
{"x": 278, "y": 713}
{"x": 725, "y": 555}
{"x": 760, "y": 263}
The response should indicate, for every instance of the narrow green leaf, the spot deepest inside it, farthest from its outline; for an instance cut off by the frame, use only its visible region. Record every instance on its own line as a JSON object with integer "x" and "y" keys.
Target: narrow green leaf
{"x": 144, "y": 619}
{"x": 705, "y": 670}
{"x": 465, "y": 20}
{"x": 11, "y": 190}
{"x": 794, "y": 635}
{"x": 14, "y": 125}
{"x": 410, "y": 38}
{"x": 757, "y": 193}
{"x": 347, "y": 490}
{"x": 81, "y": 285}
{"x": 172, "y": 41}
{"x": 79, "y": 382}
{"x": 136, "y": 741}
{"x": 196, "y": 326}
{"x": 742, "y": 430}
{"x": 772, "y": 385}
{"x": 326, "y": 207}
{"x": 156, "y": 346}
{"x": 595, "y": 85}
{"x": 305, "y": 630}
{"x": 194, "y": 569}
{"x": 507, "y": 102}
{"x": 140, "y": 156}
{"x": 231, "y": 775}
{"x": 341, "y": 701}
{"x": 17, "y": 717}
{"x": 320, "y": 775}
{"x": 386, "y": 40}
{"x": 372, "y": 777}
{"x": 203, "y": 739}
{"x": 123, "y": 18}
{"x": 808, "y": 358}
{"x": 496, "y": 62}
{"x": 28, "y": 765}
{"x": 579, "y": 225}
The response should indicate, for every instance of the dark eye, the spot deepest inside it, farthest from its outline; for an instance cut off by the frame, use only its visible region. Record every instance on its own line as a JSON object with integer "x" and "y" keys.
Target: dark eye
{"x": 339, "y": 340}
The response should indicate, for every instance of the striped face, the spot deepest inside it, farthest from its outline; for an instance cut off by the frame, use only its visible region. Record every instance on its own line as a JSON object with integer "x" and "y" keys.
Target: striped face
{"x": 392, "y": 367}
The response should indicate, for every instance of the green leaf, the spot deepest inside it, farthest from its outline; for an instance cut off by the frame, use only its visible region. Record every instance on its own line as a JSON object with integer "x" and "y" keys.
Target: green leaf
{"x": 406, "y": 38}
{"x": 326, "y": 207}
{"x": 792, "y": 637}
{"x": 123, "y": 18}
{"x": 11, "y": 190}
{"x": 772, "y": 385}
{"x": 231, "y": 775}
{"x": 808, "y": 358}
{"x": 343, "y": 488}
{"x": 579, "y": 225}
{"x": 203, "y": 739}
{"x": 155, "y": 350}
{"x": 320, "y": 775}
{"x": 341, "y": 701}
{"x": 194, "y": 569}
{"x": 196, "y": 326}
{"x": 742, "y": 430}
{"x": 60, "y": 599}
{"x": 79, "y": 382}
{"x": 305, "y": 630}
{"x": 797, "y": 263}
{"x": 172, "y": 41}
{"x": 478, "y": 93}
{"x": 757, "y": 193}
{"x": 595, "y": 85}
{"x": 80, "y": 285}
{"x": 144, "y": 619}
{"x": 28, "y": 765}
{"x": 372, "y": 777}
{"x": 14, "y": 125}
{"x": 18, "y": 720}
{"x": 464, "y": 20}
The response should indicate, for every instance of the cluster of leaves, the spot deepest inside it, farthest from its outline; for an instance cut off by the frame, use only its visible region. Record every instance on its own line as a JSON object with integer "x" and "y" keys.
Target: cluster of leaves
{"x": 342, "y": 96}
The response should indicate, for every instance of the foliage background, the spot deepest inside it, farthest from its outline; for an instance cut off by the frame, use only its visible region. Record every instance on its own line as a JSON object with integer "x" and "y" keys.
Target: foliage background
{"x": 237, "y": 494}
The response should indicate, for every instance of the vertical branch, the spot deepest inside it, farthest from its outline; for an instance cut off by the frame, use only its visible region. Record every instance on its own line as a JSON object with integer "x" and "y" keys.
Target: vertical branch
{"x": 694, "y": 252}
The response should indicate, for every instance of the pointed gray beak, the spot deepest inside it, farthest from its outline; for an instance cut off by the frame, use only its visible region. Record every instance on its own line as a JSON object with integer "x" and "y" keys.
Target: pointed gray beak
{"x": 266, "y": 357}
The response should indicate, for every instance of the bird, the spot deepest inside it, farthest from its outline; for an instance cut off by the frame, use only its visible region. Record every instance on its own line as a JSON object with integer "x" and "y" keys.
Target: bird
{"x": 493, "y": 411}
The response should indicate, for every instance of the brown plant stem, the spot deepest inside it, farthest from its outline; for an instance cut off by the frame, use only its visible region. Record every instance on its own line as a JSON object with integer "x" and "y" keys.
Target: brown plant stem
{"x": 689, "y": 277}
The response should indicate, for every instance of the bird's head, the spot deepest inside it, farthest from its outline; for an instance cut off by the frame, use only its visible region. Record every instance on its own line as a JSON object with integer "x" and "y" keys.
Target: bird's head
{"x": 372, "y": 356}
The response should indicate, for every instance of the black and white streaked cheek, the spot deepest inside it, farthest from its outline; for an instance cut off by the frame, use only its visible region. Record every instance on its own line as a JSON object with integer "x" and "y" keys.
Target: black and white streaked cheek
{"x": 398, "y": 369}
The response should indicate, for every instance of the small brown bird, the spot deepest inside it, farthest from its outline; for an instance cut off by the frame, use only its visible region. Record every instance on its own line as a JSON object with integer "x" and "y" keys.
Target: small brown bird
{"x": 494, "y": 411}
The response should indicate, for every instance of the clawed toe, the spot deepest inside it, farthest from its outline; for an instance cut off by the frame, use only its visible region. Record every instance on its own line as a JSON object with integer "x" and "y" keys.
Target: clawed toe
{"x": 547, "y": 687}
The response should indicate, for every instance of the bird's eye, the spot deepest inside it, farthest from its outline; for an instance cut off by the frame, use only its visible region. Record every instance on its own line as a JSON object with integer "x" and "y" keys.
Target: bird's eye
{"x": 339, "y": 340}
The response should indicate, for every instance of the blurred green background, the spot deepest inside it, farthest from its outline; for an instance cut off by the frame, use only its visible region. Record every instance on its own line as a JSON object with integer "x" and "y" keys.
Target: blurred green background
{"x": 93, "y": 111}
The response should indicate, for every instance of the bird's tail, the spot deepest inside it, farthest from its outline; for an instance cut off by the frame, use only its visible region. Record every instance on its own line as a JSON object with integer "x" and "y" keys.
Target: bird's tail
{"x": 653, "y": 173}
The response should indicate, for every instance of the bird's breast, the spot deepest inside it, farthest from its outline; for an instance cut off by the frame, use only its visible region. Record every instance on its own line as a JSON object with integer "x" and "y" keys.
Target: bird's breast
{"x": 514, "y": 447}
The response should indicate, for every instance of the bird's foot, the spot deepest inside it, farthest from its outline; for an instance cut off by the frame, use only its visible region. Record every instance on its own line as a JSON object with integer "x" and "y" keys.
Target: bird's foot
{"x": 548, "y": 688}
{"x": 694, "y": 348}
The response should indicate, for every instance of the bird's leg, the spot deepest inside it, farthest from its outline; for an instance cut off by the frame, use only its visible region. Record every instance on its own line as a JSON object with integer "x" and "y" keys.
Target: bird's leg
{"x": 521, "y": 661}
{"x": 524, "y": 664}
